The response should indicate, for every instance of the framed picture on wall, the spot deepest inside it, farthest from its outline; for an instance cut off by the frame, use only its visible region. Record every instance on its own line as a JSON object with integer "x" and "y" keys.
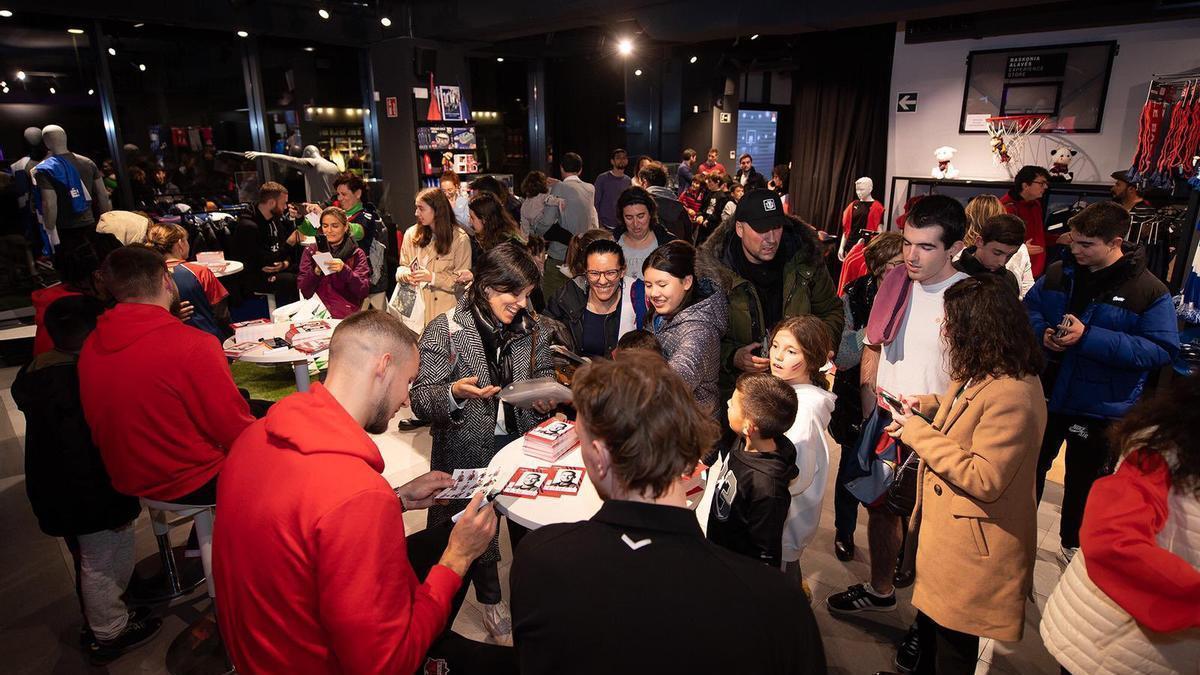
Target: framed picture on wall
{"x": 450, "y": 98}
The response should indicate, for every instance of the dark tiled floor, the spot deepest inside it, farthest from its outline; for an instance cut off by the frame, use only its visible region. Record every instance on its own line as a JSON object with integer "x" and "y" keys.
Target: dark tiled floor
{"x": 39, "y": 620}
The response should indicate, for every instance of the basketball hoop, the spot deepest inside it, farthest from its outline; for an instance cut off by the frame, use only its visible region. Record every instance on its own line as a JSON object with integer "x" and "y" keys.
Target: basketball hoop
{"x": 1007, "y": 136}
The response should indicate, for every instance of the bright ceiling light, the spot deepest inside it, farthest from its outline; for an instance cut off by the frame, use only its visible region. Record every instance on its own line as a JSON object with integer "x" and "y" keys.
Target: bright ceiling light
{"x": 323, "y": 13}
{"x": 499, "y": 59}
{"x": 20, "y": 75}
{"x": 242, "y": 33}
{"x": 625, "y": 47}
{"x": 385, "y": 22}
{"x": 112, "y": 52}
{"x": 754, "y": 37}
{"x": 91, "y": 92}
{"x": 142, "y": 67}
{"x": 693, "y": 59}
{"x": 53, "y": 90}
{"x": 75, "y": 31}
{"x": 308, "y": 49}
{"x": 6, "y": 13}
{"x": 138, "y": 25}
{"x": 638, "y": 72}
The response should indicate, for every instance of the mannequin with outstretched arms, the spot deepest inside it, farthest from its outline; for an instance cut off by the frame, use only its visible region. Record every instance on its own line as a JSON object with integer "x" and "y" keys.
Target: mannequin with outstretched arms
{"x": 318, "y": 171}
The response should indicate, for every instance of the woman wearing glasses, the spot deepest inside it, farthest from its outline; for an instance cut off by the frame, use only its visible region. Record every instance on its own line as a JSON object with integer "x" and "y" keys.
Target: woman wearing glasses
{"x": 599, "y": 306}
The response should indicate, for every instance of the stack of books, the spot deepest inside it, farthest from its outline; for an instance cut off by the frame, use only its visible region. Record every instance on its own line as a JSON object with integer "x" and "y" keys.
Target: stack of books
{"x": 550, "y": 440}
{"x": 310, "y": 337}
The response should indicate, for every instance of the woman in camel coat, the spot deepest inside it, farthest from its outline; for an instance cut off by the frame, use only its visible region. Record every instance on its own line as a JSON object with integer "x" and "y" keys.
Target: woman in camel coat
{"x": 975, "y": 522}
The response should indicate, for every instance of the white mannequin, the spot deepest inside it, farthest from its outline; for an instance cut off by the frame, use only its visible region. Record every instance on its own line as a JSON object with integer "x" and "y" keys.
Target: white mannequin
{"x": 55, "y": 138}
{"x": 33, "y": 138}
{"x": 318, "y": 171}
{"x": 862, "y": 189}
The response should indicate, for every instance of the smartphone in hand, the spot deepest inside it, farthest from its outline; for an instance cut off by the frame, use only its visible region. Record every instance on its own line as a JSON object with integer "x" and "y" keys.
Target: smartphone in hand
{"x": 897, "y": 405}
{"x": 1061, "y": 331}
{"x": 322, "y": 243}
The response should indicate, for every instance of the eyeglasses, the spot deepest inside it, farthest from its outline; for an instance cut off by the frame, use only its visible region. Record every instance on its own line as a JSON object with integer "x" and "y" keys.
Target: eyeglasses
{"x": 609, "y": 275}
{"x": 1042, "y": 183}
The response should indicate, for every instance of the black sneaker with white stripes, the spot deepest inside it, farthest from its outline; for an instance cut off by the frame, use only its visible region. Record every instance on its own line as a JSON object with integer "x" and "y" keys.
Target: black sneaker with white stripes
{"x": 858, "y": 599}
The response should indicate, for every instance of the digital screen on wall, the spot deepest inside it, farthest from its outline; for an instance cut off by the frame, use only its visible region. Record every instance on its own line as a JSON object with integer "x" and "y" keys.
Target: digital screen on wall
{"x": 1067, "y": 83}
{"x": 756, "y": 134}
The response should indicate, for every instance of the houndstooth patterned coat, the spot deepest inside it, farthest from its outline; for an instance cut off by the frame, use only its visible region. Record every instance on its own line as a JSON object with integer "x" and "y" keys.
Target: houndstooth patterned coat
{"x": 451, "y": 349}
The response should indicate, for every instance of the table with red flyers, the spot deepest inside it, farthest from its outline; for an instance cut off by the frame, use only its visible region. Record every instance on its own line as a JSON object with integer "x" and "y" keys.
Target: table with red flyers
{"x": 546, "y": 510}
{"x": 297, "y": 359}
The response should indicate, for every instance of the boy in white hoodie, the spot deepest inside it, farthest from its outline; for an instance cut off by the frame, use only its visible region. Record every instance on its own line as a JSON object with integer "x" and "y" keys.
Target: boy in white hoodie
{"x": 800, "y": 348}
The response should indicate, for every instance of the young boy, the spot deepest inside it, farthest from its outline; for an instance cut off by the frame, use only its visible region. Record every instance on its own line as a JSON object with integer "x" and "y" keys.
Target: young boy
{"x": 637, "y": 339}
{"x": 751, "y": 500}
{"x": 69, "y": 489}
{"x": 1000, "y": 238}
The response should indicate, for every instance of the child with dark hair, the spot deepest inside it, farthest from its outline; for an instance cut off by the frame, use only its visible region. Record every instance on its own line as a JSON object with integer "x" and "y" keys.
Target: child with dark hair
{"x": 751, "y": 500}
{"x": 70, "y": 490}
{"x": 639, "y": 339}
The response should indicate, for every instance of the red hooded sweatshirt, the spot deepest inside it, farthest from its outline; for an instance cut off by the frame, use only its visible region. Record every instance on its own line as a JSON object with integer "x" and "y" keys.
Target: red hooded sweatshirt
{"x": 160, "y": 401}
{"x": 309, "y": 554}
{"x": 1030, "y": 211}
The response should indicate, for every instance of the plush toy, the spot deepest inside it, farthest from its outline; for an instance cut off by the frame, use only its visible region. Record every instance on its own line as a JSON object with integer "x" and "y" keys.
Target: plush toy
{"x": 998, "y": 145}
{"x": 944, "y": 168}
{"x": 1060, "y": 171}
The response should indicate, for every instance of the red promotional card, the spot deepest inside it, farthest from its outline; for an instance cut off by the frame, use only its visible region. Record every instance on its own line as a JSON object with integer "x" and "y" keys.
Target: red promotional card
{"x": 526, "y": 483}
{"x": 563, "y": 480}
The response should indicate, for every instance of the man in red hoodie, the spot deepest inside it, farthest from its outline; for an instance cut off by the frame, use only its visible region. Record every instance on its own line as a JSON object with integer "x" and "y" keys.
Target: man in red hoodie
{"x": 312, "y": 566}
{"x": 157, "y": 394}
{"x": 1024, "y": 200}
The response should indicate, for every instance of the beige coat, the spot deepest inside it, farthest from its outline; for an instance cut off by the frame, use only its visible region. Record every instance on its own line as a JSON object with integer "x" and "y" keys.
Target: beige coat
{"x": 975, "y": 522}
{"x": 440, "y": 295}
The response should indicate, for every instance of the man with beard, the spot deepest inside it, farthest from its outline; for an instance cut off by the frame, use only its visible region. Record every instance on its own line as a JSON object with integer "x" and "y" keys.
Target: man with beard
{"x": 609, "y": 186}
{"x": 343, "y": 591}
{"x": 265, "y": 241}
{"x": 157, "y": 394}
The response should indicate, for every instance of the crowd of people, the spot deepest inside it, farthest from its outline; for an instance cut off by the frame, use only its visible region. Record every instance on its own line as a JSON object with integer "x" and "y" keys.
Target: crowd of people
{"x": 713, "y": 337}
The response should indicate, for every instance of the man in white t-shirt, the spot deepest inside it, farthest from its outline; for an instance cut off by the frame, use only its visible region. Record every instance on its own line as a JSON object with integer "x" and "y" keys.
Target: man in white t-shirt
{"x": 907, "y": 361}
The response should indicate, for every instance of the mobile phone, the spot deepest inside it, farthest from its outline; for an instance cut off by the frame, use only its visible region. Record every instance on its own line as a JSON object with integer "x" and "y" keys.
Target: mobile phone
{"x": 897, "y": 405}
{"x": 322, "y": 243}
{"x": 1062, "y": 328}
{"x": 764, "y": 346}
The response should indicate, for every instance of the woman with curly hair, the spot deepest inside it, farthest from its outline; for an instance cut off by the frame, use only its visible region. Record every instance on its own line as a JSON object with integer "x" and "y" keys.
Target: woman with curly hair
{"x": 974, "y": 526}
{"x": 1129, "y": 601}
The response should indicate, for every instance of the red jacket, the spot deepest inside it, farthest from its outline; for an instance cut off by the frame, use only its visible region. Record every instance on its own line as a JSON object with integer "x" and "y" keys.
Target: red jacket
{"x": 160, "y": 401}
{"x": 1030, "y": 211}
{"x": 42, "y": 299}
{"x": 309, "y": 557}
{"x": 1125, "y": 512}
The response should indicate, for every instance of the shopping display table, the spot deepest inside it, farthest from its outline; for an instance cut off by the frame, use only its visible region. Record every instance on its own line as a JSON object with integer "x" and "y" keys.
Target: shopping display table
{"x": 231, "y": 267}
{"x": 274, "y": 357}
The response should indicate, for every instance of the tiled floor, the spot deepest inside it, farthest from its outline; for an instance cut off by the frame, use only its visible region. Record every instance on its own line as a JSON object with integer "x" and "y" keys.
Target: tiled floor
{"x": 39, "y": 616}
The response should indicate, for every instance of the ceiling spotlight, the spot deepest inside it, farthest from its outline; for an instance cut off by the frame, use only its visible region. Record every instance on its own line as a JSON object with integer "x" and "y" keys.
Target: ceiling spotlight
{"x": 53, "y": 90}
{"x": 112, "y": 52}
{"x": 4, "y": 89}
{"x": 142, "y": 67}
{"x": 693, "y": 59}
{"x": 6, "y": 13}
{"x": 499, "y": 59}
{"x": 138, "y": 25}
{"x": 323, "y": 13}
{"x": 308, "y": 49}
{"x": 242, "y": 33}
{"x": 638, "y": 72}
{"x": 75, "y": 31}
{"x": 3, "y": 83}
{"x": 20, "y": 75}
{"x": 625, "y": 47}
{"x": 385, "y": 22}
{"x": 754, "y": 37}
{"x": 91, "y": 92}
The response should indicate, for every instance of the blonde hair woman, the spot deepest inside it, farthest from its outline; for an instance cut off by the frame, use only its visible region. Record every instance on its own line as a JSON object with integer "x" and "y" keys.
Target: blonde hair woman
{"x": 197, "y": 284}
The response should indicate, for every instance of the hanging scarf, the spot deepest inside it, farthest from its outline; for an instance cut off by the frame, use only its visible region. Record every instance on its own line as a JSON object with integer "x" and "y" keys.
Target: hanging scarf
{"x": 497, "y": 339}
{"x": 344, "y": 250}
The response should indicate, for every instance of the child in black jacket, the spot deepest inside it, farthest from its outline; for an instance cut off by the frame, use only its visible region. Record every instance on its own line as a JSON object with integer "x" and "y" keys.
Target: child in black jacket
{"x": 751, "y": 500}
{"x": 70, "y": 490}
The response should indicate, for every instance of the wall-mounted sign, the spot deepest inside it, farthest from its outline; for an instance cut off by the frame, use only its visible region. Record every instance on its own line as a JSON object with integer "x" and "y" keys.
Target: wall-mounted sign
{"x": 906, "y": 102}
{"x": 393, "y": 110}
{"x": 1036, "y": 65}
{"x": 726, "y": 118}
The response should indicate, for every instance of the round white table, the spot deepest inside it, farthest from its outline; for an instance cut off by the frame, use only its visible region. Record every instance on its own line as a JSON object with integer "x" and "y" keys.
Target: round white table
{"x": 231, "y": 267}
{"x": 297, "y": 359}
{"x": 544, "y": 510}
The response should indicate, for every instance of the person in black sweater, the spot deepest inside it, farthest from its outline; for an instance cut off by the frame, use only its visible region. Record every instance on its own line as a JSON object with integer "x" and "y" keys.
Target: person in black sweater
{"x": 639, "y": 573}
{"x": 999, "y": 239}
{"x": 70, "y": 490}
{"x": 751, "y": 501}
{"x": 267, "y": 244}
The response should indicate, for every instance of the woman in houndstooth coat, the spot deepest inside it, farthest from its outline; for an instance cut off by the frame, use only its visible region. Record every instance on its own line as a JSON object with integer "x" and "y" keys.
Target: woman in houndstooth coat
{"x": 488, "y": 341}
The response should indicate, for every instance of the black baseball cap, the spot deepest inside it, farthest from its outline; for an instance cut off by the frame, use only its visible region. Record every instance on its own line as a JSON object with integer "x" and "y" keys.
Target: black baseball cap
{"x": 1121, "y": 176}
{"x": 761, "y": 209}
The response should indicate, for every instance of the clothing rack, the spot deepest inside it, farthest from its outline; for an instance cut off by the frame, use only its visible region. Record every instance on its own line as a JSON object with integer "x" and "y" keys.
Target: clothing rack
{"x": 1169, "y": 132}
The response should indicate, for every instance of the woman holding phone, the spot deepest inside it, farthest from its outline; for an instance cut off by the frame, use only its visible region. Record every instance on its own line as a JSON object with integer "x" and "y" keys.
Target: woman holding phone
{"x": 974, "y": 526}
{"x": 335, "y": 269}
{"x": 436, "y": 254}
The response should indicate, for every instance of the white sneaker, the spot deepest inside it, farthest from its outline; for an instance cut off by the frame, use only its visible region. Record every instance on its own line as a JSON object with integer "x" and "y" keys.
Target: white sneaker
{"x": 1066, "y": 554}
{"x": 498, "y": 622}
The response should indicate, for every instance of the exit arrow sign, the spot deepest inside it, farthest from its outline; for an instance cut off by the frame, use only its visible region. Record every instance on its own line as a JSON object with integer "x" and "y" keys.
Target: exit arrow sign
{"x": 906, "y": 102}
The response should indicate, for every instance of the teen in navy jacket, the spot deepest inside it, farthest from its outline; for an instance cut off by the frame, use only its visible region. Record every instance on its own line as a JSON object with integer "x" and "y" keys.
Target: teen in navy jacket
{"x": 1122, "y": 328}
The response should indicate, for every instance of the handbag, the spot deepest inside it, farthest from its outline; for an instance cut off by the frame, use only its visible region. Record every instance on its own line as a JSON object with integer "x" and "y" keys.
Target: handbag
{"x": 901, "y": 496}
{"x": 878, "y": 459}
{"x": 408, "y": 305}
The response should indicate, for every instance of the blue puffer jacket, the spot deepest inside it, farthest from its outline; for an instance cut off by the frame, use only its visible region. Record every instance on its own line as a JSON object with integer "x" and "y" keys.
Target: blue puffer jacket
{"x": 1131, "y": 330}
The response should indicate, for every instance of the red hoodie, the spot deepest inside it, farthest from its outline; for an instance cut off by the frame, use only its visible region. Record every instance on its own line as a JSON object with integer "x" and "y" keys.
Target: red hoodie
{"x": 1030, "y": 211}
{"x": 310, "y": 559}
{"x": 160, "y": 401}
